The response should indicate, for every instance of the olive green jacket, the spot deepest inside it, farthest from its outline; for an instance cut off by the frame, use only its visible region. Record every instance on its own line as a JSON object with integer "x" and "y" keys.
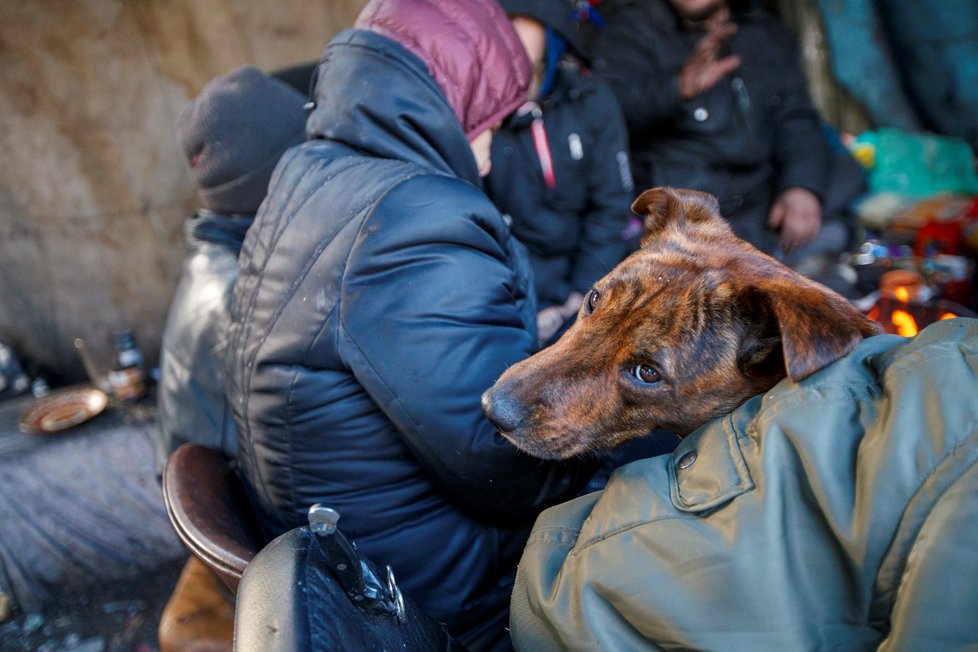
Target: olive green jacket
{"x": 839, "y": 513}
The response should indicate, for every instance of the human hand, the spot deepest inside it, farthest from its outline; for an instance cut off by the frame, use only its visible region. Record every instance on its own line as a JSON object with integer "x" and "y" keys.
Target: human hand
{"x": 572, "y": 306}
{"x": 797, "y": 215}
{"x": 703, "y": 69}
{"x": 549, "y": 321}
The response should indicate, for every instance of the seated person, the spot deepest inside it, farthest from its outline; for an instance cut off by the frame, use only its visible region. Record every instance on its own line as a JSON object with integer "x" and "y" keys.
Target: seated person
{"x": 380, "y": 293}
{"x": 560, "y": 166}
{"x": 233, "y": 134}
{"x": 715, "y": 100}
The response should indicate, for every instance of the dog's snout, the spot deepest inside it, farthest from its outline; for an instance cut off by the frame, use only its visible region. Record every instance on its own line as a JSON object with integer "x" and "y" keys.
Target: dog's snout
{"x": 503, "y": 410}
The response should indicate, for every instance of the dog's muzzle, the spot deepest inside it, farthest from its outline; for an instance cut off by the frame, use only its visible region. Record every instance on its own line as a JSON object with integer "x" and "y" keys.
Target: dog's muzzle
{"x": 505, "y": 412}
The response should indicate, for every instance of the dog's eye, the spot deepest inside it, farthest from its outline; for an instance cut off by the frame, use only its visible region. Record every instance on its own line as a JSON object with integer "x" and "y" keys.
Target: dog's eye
{"x": 645, "y": 374}
{"x": 591, "y": 301}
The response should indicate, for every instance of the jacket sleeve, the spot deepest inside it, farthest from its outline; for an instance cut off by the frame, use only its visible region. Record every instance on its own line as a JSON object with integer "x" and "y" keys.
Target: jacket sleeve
{"x": 940, "y": 574}
{"x": 802, "y": 155}
{"x": 430, "y": 317}
{"x": 625, "y": 57}
{"x": 190, "y": 394}
{"x": 610, "y": 191}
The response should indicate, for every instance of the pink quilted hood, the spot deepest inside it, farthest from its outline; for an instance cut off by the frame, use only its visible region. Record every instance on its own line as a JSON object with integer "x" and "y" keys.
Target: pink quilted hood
{"x": 469, "y": 47}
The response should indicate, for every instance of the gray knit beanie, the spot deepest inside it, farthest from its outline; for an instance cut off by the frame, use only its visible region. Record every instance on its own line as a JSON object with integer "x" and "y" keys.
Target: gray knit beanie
{"x": 234, "y": 133}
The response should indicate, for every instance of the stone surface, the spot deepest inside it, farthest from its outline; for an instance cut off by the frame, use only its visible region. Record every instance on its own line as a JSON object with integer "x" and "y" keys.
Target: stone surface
{"x": 93, "y": 187}
{"x": 81, "y": 506}
{"x": 120, "y": 616}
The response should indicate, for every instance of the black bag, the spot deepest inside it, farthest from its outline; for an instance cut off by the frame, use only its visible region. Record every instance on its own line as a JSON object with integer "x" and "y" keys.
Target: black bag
{"x": 310, "y": 590}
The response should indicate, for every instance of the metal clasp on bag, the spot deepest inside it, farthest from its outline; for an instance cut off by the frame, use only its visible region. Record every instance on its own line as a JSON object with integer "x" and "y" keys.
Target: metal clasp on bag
{"x": 354, "y": 573}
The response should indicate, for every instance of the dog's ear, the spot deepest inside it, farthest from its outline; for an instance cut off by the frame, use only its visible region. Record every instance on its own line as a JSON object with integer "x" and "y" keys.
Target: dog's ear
{"x": 760, "y": 354}
{"x": 817, "y": 326}
{"x": 678, "y": 207}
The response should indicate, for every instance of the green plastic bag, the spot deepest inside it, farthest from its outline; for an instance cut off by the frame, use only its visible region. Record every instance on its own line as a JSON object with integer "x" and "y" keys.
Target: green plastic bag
{"x": 916, "y": 165}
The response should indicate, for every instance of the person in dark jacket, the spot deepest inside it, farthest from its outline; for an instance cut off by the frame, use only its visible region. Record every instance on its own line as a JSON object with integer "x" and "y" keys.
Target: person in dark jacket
{"x": 380, "y": 293}
{"x": 560, "y": 166}
{"x": 233, "y": 134}
{"x": 715, "y": 100}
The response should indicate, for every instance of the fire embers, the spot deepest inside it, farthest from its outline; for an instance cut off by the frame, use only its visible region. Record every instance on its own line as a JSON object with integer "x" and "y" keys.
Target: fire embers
{"x": 906, "y": 304}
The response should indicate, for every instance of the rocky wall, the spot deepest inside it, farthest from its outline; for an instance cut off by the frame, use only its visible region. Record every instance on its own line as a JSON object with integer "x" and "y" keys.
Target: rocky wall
{"x": 93, "y": 187}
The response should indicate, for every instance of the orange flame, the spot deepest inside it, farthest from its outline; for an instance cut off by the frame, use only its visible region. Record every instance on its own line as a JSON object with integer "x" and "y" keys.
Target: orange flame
{"x": 947, "y": 315}
{"x": 905, "y": 324}
{"x": 902, "y": 294}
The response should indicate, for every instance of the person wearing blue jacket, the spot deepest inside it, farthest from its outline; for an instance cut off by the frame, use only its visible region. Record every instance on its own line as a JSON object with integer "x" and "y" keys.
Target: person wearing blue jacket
{"x": 560, "y": 166}
{"x": 232, "y": 134}
{"x": 380, "y": 293}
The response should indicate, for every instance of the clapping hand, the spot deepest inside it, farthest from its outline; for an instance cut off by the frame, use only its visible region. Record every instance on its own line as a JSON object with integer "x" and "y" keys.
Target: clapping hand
{"x": 704, "y": 67}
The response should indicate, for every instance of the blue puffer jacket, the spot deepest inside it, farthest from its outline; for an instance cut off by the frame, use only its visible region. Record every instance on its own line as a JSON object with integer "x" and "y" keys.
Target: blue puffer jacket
{"x": 380, "y": 294}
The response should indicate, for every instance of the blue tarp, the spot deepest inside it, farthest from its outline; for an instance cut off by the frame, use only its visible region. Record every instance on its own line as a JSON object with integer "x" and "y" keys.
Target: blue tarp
{"x": 913, "y": 65}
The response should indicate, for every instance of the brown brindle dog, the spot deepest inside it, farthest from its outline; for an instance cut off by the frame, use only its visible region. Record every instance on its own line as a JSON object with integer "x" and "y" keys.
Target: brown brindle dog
{"x": 682, "y": 331}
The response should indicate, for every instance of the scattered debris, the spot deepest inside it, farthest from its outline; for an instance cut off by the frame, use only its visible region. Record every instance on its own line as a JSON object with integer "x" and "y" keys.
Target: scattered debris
{"x": 117, "y": 617}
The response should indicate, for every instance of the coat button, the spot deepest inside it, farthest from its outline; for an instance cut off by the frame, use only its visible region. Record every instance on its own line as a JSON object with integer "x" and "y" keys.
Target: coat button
{"x": 686, "y": 460}
{"x": 700, "y": 114}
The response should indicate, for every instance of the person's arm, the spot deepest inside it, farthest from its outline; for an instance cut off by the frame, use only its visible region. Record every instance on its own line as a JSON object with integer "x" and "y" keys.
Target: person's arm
{"x": 430, "y": 317}
{"x": 934, "y": 576}
{"x": 705, "y": 66}
{"x": 191, "y": 391}
{"x": 651, "y": 92}
{"x": 796, "y": 215}
{"x": 626, "y": 59}
{"x": 610, "y": 191}
{"x": 802, "y": 154}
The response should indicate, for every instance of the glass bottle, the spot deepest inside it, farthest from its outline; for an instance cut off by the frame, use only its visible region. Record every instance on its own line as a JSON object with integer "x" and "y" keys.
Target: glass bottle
{"x": 128, "y": 378}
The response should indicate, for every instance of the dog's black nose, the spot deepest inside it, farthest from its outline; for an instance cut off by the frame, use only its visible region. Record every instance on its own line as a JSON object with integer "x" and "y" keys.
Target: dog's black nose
{"x": 504, "y": 412}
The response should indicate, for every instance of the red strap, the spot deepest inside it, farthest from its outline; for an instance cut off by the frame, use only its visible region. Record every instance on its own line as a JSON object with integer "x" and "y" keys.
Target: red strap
{"x": 543, "y": 151}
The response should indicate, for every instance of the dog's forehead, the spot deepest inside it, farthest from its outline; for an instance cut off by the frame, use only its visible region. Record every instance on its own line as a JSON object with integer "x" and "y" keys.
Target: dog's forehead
{"x": 665, "y": 295}
{"x": 640, "y": 293}
{"x": 648, "y": 272}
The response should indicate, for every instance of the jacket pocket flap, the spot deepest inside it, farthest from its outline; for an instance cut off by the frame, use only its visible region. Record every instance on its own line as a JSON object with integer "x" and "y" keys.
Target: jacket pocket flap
{"x": 708, "y": 468}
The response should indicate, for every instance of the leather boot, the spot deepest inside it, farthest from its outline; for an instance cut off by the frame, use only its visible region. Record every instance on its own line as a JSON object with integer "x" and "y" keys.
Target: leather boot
{"x": 199, "y": 616}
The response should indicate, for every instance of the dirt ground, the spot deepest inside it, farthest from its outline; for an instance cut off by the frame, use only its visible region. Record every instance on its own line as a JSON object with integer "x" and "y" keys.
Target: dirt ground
{"x": 118, "y": 617}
